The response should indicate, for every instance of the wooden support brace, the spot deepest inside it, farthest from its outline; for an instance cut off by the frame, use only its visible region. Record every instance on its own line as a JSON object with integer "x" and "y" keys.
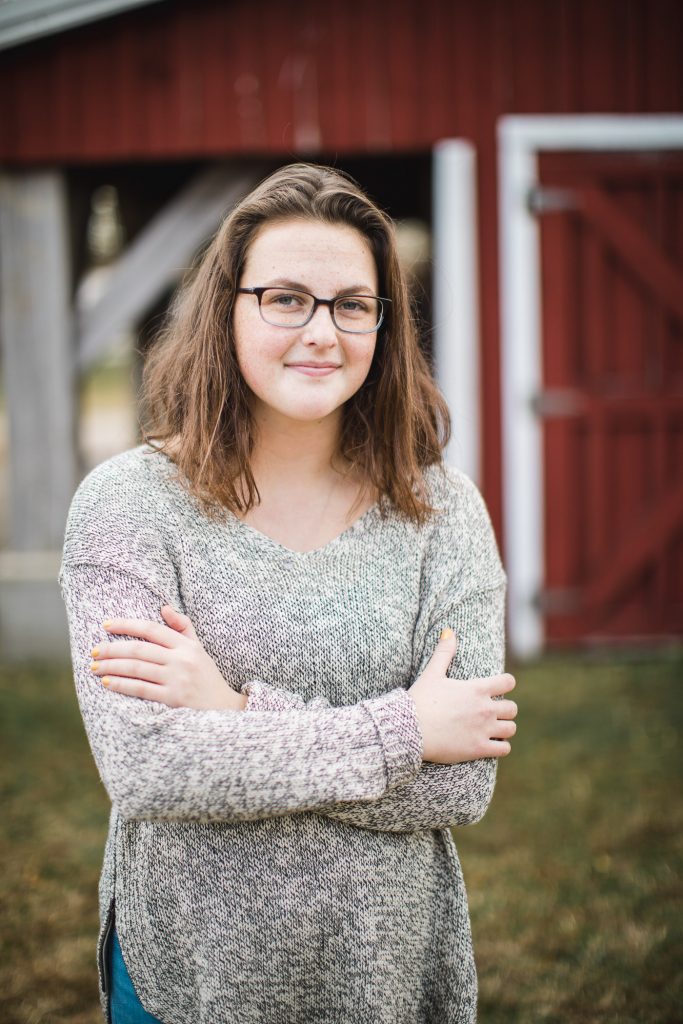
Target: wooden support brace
{"x": 653, "y": 533}
{"x": 159, "y": 256}
{"x": 637, "y": 250}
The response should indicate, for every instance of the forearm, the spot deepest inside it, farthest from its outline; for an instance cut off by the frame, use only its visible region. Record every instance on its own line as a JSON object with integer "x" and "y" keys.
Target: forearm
{"x": 167, "y": 763}
{"x": 439, "y": 796}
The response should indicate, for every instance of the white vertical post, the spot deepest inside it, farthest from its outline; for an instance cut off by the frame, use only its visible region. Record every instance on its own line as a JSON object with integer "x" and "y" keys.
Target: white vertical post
{"x": 456, "y": 298}
{"x": 521, "y": 380}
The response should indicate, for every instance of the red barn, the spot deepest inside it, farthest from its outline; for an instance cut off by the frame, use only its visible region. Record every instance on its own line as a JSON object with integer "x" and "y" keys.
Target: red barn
{"x": 542, "y": 141}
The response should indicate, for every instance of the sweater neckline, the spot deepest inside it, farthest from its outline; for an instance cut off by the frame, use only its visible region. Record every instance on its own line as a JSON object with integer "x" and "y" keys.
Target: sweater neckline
{"x": 268, "y": 542}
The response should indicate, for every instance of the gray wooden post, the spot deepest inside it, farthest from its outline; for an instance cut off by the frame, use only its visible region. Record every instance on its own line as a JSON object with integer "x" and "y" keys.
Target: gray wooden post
{"x": 36, "y": 334}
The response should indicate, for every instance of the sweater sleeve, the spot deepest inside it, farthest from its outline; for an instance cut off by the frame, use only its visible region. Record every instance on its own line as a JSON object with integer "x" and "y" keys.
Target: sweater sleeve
{"x": 182, "y": 764}
{"x": 440, "y": 796}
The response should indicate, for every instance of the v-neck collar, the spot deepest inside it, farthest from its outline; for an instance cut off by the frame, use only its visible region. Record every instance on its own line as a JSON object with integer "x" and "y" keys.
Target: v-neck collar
{"x": 269, "y": 542}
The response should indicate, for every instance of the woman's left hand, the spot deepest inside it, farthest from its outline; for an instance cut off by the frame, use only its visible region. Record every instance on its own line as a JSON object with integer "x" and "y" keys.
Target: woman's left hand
{"x": 166, "y": 664}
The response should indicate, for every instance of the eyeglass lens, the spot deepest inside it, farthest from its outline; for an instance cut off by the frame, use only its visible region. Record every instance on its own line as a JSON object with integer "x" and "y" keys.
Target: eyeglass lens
{"x": 287, "y": 308}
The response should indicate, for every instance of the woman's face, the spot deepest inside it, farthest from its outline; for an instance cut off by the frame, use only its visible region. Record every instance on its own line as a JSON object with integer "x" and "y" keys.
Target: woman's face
{"x": 325, "y": 260}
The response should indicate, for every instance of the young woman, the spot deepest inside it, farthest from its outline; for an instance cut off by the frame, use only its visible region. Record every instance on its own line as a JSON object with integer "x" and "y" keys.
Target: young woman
{"x": 269, "y": 605}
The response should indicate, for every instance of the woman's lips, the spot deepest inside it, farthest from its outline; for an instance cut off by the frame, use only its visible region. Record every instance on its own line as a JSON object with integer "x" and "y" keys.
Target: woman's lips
{"x": 312, "y": 371}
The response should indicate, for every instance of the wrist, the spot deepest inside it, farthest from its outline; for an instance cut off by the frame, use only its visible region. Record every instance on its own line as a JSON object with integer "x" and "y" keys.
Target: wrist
{"x": 233, "y": 701}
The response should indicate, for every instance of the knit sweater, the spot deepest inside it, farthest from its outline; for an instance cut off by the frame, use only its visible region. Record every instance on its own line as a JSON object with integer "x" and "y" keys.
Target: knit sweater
{"x": 291, "y": 863}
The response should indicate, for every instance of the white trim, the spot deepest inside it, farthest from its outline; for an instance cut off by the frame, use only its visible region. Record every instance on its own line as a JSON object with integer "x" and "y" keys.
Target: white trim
{"x": 456, "y": 299}
{"x": 521, "y": 376}
{"x": 519, "y": 141}
{"x": 600, "y": 132}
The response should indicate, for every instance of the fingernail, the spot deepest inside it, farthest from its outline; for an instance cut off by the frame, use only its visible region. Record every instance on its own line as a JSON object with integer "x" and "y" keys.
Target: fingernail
{"x": 106, "y": 680}
{"x": 107, "y": 624}
{"x": 446, "y": 633}
{"x": 95, "y": 653}
{"x": 94, "y": 666}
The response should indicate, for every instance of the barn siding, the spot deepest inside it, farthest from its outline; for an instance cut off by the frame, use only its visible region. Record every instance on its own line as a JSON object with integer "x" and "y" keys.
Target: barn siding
{"x": 208, "y": 78}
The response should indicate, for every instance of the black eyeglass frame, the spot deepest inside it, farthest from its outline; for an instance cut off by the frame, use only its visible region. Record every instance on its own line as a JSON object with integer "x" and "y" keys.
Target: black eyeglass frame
{"x": 330, "y": 303}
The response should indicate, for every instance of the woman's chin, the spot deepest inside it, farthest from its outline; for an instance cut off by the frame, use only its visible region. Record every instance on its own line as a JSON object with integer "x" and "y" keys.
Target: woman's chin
{"x": 299, "y": 412}
{"x": 315, "y": 415}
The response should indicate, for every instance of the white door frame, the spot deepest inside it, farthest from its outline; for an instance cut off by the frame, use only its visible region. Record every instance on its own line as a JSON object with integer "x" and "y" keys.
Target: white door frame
{"x": 520, "y": 139}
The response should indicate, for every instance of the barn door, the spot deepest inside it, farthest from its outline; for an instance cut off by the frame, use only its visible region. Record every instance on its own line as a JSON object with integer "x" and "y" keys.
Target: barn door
{"x": 611, "y": 404}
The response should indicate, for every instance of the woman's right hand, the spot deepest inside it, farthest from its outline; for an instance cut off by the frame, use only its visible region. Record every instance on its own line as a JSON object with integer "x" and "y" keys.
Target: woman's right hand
{"x": 459, "y": 719}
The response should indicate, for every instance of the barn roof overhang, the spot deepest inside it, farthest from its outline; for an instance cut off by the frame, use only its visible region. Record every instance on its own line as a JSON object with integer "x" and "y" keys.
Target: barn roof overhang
{"x": 24, "y": 20}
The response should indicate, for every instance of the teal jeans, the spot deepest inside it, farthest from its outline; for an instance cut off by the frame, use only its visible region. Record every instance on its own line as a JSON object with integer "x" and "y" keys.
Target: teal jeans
{"x": 124, "y": 1005}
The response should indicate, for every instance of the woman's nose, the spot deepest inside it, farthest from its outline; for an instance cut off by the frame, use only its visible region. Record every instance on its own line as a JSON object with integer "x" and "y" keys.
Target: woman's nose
{"x": 321, "y": 327}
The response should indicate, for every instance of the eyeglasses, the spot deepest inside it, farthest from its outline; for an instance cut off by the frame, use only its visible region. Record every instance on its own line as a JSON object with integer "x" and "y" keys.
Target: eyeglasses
{"x": 286, "y": 307}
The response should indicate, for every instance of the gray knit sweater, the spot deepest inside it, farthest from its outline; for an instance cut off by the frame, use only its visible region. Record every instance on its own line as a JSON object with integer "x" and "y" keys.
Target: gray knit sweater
{"x": 291, "y": 863}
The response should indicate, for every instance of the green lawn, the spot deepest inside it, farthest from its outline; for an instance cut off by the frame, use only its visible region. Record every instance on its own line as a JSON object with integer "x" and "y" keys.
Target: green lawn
{"x": 574, "y": 875}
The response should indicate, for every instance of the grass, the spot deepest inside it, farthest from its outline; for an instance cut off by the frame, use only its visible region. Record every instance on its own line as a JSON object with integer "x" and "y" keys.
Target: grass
{"x": 51, "y": 844}
{"x": 574, "y": 874}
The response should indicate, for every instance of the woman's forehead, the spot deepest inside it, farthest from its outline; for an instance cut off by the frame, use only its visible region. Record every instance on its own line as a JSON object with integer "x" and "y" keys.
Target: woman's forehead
{"x": 281, "y": 248}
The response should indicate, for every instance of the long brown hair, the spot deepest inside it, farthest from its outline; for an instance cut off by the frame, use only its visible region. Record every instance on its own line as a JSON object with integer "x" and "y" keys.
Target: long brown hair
{"x": 392, "y": 427}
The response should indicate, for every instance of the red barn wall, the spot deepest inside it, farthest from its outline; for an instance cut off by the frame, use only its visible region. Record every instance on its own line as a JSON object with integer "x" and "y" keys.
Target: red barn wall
{"x": 207, "y": 78}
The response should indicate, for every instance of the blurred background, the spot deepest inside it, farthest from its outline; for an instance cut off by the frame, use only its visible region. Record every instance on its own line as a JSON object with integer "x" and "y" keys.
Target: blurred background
{"x": 531, "y": 152}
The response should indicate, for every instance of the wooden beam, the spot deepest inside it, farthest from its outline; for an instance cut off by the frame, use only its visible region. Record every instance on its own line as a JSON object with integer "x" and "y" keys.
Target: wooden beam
{"x": 159, "y": 256}
{"x": 32, "y": 19}
{"x": 650, "y": 535}
{"x": 634, "y": 247}
{"x": 37, "y": 346}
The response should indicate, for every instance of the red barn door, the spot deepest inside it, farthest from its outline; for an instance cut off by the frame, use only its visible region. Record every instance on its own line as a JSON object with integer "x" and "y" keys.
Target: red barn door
{"x": 612, "y": 402}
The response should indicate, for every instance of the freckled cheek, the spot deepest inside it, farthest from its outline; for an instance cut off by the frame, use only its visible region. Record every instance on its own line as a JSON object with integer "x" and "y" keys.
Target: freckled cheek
{"x": 361, "y": 361}
{"x": 260, "y": 359}
{"x": 260, "y": 370}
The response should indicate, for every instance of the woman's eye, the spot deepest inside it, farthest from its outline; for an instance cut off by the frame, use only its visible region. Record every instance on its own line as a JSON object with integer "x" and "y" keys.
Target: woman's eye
{"x": 285, "y": 300}
{"x": 352, "y": 306}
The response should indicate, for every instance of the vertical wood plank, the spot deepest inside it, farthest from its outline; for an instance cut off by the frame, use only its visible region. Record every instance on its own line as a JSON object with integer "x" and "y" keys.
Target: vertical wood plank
{"x": 561, "y": 438}
{"x": 598, "y": 465}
